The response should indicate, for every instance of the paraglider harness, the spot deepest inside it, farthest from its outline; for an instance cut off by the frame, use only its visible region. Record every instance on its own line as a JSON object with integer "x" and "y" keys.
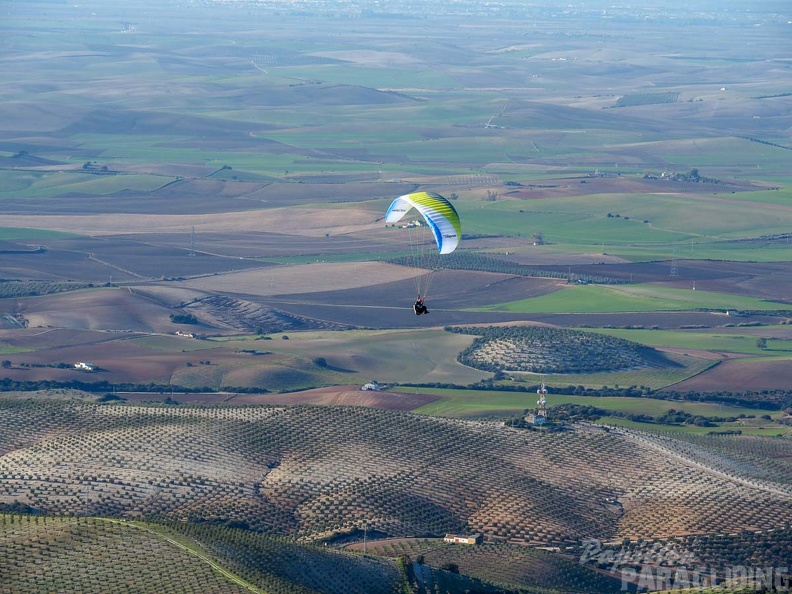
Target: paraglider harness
{"x": 419, "y": 307}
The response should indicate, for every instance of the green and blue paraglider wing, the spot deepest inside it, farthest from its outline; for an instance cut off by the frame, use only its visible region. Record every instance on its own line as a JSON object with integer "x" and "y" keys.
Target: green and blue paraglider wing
{"x": 441, "y": 217}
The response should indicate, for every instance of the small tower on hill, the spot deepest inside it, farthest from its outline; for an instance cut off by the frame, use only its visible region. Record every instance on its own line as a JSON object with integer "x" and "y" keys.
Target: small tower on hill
{"x": 541, "y": 411}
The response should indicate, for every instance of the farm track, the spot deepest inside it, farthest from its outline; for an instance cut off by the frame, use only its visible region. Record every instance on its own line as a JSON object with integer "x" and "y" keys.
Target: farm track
{"x": 113, "y": 266}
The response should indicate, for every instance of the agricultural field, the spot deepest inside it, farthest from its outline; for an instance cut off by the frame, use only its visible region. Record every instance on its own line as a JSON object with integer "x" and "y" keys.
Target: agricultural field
{"x": 512, "y": 567}
{"x": 474, "y": 404}
{"x": 192, "y": 203}
{"x": 269, "y": 469}
{"x": 305, "y": 358}
{"x": 97, "y": 555}
{"x": 94, "y": 555}
{"x": 635, "y": 298}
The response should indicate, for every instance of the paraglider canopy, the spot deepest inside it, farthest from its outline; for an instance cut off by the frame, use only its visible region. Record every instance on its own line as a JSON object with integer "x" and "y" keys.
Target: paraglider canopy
{"x": 441, "y": 217}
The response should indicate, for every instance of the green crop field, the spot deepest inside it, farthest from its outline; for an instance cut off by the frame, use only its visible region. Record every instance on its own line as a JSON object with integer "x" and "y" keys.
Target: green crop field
{"x": 585, "y": 220}
{"x": 706, "y": 340}
{"x": 12, "y": 233}
{"x": 77, "y": 181}
{"x": 6, "y": 349}
{"x": 500, "y": 404}
{"x": 638, "y": 297}
{"x": 769, "y": 430}
{"x": 692, "y": 249}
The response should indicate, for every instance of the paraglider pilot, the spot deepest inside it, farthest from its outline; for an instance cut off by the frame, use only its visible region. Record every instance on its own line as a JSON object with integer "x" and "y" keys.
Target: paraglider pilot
{"x": 419, "y": 306}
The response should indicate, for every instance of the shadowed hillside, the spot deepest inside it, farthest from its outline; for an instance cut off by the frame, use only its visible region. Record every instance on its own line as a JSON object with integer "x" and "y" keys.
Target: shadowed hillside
{"x": 310, "y": 472}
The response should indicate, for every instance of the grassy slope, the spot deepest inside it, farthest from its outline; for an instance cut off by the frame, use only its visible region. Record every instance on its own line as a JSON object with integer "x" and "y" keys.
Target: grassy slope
{"x": 424, "y": 355}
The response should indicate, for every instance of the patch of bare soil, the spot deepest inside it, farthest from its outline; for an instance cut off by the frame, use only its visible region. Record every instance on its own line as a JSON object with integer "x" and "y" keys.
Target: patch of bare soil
{"x": 739, "y": 375}
{"x": 764, "y": 280}
{"x": 381, "y": 542}
{"x": 119, "y": 358}
{"x": 116, "y": 361}
{"x": 39, "y": 339}
{"x": 342, "y": 396}
{"x": 523, "y": 251}
{"x": 246, "y": 249}
{"x": 305, "y": 278}
{"x": 99, "y": 309}
{"x": 389, "y": 304}
{"x": 448, "y": 289}
{"x": 59, "y": 265}
{"x": 292, "y": 221}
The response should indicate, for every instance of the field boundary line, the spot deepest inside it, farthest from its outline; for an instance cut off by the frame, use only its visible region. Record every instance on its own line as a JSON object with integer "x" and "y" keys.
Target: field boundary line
{"x": 192, "y": 551}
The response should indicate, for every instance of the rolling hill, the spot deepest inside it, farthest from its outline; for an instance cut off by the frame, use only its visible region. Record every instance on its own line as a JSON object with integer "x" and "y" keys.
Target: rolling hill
{"x": 236, "y": 495}
{"x": 310, "y": 472}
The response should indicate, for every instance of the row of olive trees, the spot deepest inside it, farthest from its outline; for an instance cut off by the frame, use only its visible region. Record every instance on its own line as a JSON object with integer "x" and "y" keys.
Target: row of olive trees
{"x": 296, "y": 471}
{"x": 93, "y": 555}
{"x": 468, "y": 260}
{"x": 281, "y": 565}
{"x": 548, "y": 350}
{"x": 16, "y": 289}
{"x": 747, "y": 548}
